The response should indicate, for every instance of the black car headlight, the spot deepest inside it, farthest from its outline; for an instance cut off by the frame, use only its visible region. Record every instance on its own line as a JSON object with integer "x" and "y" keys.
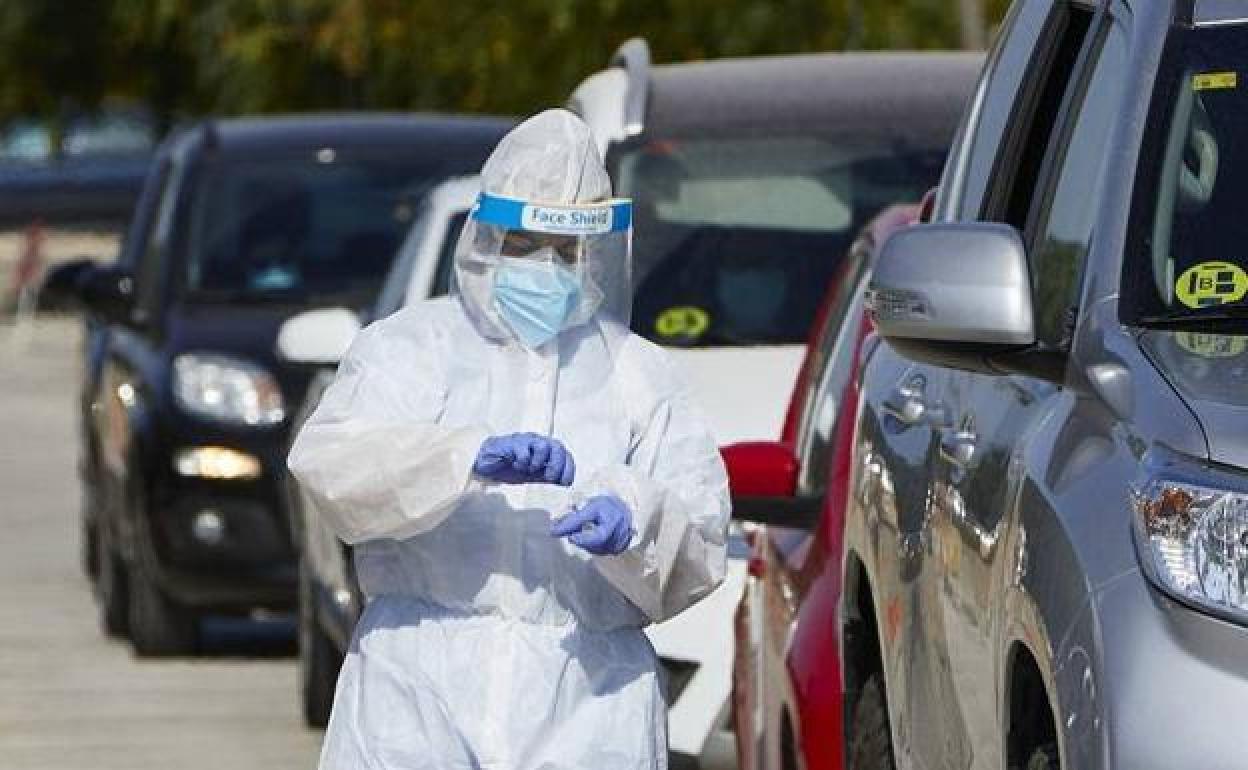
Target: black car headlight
{"x": 227, "y": 389}
{"x": 1192, "y": 530}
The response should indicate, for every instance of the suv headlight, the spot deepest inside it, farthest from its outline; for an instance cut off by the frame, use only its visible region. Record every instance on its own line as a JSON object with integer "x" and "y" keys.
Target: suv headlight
{"x": 1192, "y": 531}
{"x": 227, "y": 389}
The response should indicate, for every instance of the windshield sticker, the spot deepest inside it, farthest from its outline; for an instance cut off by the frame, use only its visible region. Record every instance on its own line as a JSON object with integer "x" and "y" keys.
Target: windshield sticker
{"x": 687, "y": 322}
{"x": 1215, "y": 81}
{"x": 1212, "y": 345}
{"x": 1210, "y": 284}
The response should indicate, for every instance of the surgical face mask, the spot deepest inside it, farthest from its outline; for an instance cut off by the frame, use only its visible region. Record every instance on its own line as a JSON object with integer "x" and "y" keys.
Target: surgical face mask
{"x": 535, "y": 297}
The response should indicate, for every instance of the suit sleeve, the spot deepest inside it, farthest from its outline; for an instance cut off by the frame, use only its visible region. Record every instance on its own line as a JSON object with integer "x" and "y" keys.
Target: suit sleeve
{"x": 676, "y": 487}
{"x": 373, "y": 457}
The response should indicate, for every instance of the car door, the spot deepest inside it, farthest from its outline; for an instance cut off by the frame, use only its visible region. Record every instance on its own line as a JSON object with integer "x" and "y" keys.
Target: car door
{"x": 978, "y": 475}
{"x": 905, "y": 455}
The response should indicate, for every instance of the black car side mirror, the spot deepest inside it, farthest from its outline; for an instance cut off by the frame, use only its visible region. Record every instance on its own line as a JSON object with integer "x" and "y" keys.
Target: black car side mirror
{"x": 108, "y": 292}
{"x": 60, "y": 286}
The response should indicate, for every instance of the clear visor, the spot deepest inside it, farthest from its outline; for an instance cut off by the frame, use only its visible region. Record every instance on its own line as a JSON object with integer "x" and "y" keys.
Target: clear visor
{"x": 592, "y": 242}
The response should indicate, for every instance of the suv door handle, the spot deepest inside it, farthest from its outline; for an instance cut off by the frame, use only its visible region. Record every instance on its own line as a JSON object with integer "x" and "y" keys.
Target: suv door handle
{"x": 957, "y": 447}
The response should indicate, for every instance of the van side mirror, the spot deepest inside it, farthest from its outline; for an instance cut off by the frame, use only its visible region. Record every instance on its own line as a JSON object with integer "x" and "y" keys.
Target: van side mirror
{"x": 763, "y": 479}
{"x": 954, "y": 294}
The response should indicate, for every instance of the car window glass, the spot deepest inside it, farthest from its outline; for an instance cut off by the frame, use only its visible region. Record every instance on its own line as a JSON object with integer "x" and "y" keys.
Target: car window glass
{"x": 1067, "y": 216}
{"x": 151, "y": 253}
{"x": 825, "y": 407}
{"x": 737, "y": 238}
{"x": 446, "y": 255}
{"x": 1186, "y": 258}
{"x": 966, "y": 182}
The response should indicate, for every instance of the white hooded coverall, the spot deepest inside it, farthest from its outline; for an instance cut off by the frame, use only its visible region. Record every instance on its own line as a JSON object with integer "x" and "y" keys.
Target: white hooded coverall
{"x": 486, "y": 642}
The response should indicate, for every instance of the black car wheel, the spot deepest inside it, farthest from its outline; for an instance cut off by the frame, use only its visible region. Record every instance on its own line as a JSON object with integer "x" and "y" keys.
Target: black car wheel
{"x": 870, "y": 741}
{"x": 90, "y": 549}
{"x": 159, "y": 627}
{"x": 319, "y": 659}
{"x": 112, "y": 586}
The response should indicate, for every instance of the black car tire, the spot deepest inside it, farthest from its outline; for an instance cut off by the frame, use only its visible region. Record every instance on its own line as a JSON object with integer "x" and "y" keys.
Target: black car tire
{"x": 90, "y": 549}
{"x": 870, "y": 740}
{"x": 319, "y": 660}
{"x": 112, "y": 587}
{"x": 159, "y": 627}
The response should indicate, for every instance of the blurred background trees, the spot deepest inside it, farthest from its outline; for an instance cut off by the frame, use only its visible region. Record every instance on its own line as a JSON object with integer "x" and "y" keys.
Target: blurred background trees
{"x": 187, "y": 57}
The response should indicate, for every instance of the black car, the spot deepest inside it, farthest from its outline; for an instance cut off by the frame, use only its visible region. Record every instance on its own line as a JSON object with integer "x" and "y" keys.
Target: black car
{"x": 185, "y": 405}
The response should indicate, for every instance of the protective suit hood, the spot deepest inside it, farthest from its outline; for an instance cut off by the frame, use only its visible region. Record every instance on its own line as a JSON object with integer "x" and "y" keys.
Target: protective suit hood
{"x": 545, "y": 171}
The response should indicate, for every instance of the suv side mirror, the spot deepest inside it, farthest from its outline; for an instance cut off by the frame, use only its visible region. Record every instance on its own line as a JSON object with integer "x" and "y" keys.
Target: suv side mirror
{"x": 319, "y": 336}
{"x": 954, "y": 294}
{"x": 763, "y": 479}
{"x": 107, "y": 291}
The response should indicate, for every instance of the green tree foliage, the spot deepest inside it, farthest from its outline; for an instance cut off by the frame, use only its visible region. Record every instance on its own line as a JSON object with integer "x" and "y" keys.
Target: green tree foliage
{"x": 241, "y": 56}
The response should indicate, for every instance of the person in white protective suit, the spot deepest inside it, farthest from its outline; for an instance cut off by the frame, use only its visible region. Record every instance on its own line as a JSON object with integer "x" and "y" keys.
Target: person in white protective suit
{"x": 527, "y": 485}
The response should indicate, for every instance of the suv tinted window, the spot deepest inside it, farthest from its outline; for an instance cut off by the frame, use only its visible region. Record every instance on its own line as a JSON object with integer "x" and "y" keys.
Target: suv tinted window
{"x": 1186, "y": 259}
{"x": 1065, "y": 217}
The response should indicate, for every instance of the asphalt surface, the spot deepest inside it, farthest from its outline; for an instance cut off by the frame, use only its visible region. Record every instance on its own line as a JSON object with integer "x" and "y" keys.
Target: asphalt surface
{"x": 70, "y": 697}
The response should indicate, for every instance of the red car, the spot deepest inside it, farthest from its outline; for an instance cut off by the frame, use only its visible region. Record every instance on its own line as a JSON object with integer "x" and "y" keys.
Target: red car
{"x": 789, "y": 698}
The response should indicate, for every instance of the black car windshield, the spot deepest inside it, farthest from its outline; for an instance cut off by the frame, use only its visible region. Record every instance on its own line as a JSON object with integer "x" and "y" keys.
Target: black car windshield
{"x": 1188, "y": 259}
{"x": 736, "y": 239}
{"x": 314, "y": 228}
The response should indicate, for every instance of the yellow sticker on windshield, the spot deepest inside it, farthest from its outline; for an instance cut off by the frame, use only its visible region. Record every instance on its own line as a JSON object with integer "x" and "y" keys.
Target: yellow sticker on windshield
{"x": 682, "y": 322}
{"x": 1212, "y": 283}
{"x": 1213, "y": 81}
{"x": 1212, "y": 345}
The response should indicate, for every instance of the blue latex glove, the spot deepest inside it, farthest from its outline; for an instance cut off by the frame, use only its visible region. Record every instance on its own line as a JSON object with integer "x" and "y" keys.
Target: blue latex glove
{"x": 603, "y": 526}
{"x": 525, "y": 458}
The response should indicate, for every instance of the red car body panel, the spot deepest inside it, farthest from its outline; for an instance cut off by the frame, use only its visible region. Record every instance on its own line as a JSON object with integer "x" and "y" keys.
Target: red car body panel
{"x": 799, "y": 575}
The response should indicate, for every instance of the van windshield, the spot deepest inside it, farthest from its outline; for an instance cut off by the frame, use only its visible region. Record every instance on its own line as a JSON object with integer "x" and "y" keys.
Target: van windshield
{"x": 317, "y": 227}
{"x": 1188, "y": 263}
{"x": 736, "y": 239}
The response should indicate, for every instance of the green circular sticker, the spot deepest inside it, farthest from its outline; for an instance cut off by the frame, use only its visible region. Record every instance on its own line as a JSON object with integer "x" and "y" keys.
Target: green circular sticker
{"x": 1210, "y": 284}
{"x": 685, "y": 321}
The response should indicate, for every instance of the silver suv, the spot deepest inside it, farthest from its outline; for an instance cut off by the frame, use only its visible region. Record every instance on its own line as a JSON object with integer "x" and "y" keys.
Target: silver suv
{"x": 1046, "y": 550}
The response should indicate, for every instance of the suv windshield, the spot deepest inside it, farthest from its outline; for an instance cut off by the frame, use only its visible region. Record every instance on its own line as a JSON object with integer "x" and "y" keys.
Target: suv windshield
{"x": 1188, "y": 260}
{"x": 320, "y": 227}
{"x": 736, "y": 239}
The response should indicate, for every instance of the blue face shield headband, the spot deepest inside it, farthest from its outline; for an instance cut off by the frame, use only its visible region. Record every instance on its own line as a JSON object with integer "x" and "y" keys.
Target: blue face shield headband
{"x": 536, "y": 295}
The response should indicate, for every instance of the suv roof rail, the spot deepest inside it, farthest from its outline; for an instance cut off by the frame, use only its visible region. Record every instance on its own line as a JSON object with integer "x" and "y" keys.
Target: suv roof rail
{"x": 633, "y": 56}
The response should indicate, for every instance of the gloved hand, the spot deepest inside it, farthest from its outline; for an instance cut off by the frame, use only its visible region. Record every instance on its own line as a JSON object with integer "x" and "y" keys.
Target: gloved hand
{"x": 525, "y": 458}
{"x": 603, "y": 526}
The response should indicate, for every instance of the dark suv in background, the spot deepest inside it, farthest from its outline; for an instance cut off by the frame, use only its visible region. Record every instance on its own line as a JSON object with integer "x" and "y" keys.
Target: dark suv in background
{"x": 1047, "y": 530}
{"x": 185, "y": 405}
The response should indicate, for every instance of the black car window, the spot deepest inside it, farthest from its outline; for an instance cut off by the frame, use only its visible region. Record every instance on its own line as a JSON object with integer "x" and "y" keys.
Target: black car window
{"x": 321, "y": 226}
{"x": 394, "y": 295}
{"x": 1065, "y": 217}
{"x": 150, "y": 273}
{"x": 446, "y": 256}
{"x": 736, "y": 239}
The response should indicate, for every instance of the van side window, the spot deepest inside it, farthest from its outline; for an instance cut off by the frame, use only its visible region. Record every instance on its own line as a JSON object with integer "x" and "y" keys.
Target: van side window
{"x": 970, "y": 165}
{"x": 1063, "y": 218}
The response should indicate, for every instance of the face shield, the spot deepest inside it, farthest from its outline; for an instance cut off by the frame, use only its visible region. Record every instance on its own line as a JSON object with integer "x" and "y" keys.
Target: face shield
{"x": 534, "y": 269}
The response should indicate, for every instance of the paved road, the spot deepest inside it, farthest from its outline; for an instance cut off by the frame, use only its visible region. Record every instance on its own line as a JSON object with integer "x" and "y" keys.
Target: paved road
{"x": 70, "y": 699}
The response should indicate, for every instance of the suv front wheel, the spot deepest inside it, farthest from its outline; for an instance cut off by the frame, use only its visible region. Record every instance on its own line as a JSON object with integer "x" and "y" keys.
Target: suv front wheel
{"x": 159, "y": 626}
